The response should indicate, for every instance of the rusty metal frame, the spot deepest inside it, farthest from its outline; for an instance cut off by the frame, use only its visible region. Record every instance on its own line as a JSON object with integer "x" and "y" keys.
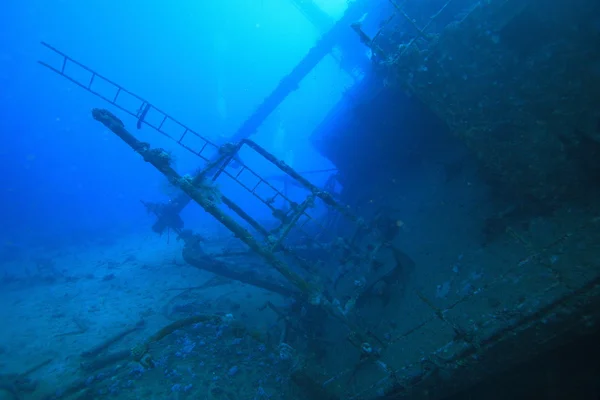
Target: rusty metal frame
{"x": 214, "y": 167}
{"x": 198, "y": 186}
{"x": 474, "y": 345}
{"x": 144, "y": 105}
{"x": 399, "y": 10}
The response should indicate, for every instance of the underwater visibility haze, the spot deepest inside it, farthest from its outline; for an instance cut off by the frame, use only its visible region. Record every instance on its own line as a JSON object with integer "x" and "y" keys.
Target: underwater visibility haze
{"x": 300, "y": 199}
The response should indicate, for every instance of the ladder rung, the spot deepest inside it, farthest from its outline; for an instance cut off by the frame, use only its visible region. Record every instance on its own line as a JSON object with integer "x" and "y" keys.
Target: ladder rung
{"x": 203, "y": 147}
{"x": 183, "y": 135}
{"x": 257, "y": 185}
{"x": 163, "y": 121}
{"x": 240, "y": 172}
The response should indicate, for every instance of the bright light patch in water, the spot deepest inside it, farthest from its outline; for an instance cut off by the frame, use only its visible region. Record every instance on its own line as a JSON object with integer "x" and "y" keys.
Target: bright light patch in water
{"x": 335, "y": 8}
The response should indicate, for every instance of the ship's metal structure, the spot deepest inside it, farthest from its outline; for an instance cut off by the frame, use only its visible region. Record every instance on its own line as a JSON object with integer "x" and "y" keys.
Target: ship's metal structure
{"x": 548, "y": 291}
{"x": 288, "y": 246}
{"x": 515, "y": 80}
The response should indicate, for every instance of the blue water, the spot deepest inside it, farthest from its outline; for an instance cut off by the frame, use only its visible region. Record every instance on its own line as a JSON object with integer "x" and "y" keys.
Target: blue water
{"x": 79, "y": 262}
{"x": 208, "y": 65}
{"x": 442, "y": 246}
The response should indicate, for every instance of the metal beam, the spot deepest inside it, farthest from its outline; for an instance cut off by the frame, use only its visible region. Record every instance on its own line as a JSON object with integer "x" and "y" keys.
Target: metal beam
{"x": 286, "y": 86}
